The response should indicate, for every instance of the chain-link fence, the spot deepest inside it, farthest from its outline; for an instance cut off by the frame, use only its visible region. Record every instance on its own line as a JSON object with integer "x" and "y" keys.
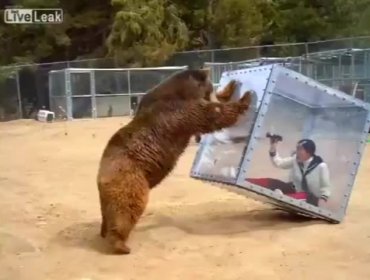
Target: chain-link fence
{"x": 199, "y": 57}
{"x": 10, "y": 103}
{"x": 27, "y": 86}
{"x": 342, "y": 64}
{"x": 217, "y": 68}
{"x": 343, "y": 69}
{"x": 25, "y": 89}
{"x": 95, "y": 93}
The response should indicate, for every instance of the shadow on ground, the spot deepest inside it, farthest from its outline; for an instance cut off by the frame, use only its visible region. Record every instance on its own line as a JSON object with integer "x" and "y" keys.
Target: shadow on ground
{"x": 233, "y": 223}
{"x": 189, "y": 221}
{"x": 84, "y": 235}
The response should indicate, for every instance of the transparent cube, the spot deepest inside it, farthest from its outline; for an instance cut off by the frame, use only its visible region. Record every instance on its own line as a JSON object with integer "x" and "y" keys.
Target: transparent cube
{"x": 295, "y": 107}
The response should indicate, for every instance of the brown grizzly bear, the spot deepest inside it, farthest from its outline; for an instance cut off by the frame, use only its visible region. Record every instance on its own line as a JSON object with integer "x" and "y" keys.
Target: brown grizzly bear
{"x": 141, "y": 154}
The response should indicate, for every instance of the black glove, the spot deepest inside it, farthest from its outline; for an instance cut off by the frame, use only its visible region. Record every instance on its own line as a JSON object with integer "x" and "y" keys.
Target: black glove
{"x": 274, "y": 138}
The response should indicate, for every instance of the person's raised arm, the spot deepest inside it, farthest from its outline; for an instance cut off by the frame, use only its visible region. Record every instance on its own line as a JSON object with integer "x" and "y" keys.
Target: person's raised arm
{"x": 277, "y": 161}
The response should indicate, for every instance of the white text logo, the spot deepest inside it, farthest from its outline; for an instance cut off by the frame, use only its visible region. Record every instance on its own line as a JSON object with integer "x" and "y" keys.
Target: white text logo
{"x": 33, "y": 16}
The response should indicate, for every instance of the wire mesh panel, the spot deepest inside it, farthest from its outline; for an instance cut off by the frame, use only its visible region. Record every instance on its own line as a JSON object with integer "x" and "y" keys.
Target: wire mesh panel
{"x": 218, "y": 68}
{"x": 107, "y": 92}
{"x": 57, "y": 93}
{"x": 10, "y": 103}
{"x": 343, "y": 69}
{"x": 143, "y": 79}
{"x": 113, "y": 105}
{"x": 112, "y": 92}
{"x": 81, "y": 93}
{"x": 110, "y": 82}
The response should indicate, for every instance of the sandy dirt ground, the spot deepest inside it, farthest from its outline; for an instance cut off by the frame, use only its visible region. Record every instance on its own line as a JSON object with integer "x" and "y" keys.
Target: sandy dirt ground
{"x": 50, "y": 219}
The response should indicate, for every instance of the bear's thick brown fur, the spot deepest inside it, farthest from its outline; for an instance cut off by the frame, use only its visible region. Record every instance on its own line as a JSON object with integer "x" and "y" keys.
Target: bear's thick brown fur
{"x": 222, "y": 96}
{"x": 183, "y": 85}
{"x": 141, "y": 154}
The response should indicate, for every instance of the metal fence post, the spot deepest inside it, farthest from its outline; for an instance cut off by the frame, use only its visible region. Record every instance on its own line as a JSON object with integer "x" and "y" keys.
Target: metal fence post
{"x": 50, "y": 90}
{"x": 67, "y": 75}
{"x": 306, "y": 49}
{"x": 93, "y": 94}
{"x": 129, "y": 91}
{"x": 19, "y": 95}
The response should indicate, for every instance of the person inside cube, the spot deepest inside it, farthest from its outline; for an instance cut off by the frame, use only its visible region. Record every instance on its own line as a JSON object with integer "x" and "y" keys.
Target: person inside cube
{"x": 308, "y": 173}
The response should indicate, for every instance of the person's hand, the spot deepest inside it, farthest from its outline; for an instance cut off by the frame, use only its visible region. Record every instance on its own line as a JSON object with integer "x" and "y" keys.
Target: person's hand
{"x": 274, "y": 140}
{"x": 273, "y": 146}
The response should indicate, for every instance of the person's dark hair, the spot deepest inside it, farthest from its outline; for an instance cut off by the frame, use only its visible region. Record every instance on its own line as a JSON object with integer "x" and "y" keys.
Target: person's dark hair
{"x": 308, "y": 145}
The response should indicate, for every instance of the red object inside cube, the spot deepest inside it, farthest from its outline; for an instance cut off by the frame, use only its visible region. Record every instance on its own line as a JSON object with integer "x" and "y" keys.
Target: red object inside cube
{"x": 298, "y": 195}
{"x": 265, "y": 183}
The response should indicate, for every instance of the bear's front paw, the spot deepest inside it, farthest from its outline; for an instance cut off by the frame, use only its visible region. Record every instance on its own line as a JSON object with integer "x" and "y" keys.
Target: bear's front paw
{"x": 232, "y": 85}
{"x": 245, "y": 101}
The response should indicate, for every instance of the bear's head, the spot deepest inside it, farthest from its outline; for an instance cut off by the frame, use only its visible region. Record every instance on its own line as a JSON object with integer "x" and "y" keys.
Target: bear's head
{"x": 185, "y": 85}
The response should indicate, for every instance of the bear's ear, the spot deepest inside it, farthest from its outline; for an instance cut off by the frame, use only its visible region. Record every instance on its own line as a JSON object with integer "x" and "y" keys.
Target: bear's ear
{"x": 200, "y": 75}
{"x": 207, "y": 72}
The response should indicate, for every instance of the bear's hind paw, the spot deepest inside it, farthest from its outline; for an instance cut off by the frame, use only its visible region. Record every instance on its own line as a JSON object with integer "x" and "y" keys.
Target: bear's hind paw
{"x": 120, "y": 248}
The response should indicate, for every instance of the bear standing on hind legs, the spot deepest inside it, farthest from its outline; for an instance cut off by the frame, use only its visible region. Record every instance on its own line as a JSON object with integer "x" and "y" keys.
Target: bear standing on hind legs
{"x": 141, "y": 154}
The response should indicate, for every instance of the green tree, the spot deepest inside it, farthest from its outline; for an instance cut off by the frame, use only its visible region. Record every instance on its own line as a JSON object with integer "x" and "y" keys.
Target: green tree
{"x": 146, "y": 32}
{"x": 196, "y": 16}
{"x": 237, "y": 23}
{"x": 82, "y": 34}
{"x": 28, "y": 43}
{"x": 310, "y": 20}
{"x": 361, "y": 25}
{"x": 87, "y": 25}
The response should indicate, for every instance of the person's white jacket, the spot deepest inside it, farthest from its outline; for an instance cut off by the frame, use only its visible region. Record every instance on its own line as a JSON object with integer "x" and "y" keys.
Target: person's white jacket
{"x": 318, "y": 180}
